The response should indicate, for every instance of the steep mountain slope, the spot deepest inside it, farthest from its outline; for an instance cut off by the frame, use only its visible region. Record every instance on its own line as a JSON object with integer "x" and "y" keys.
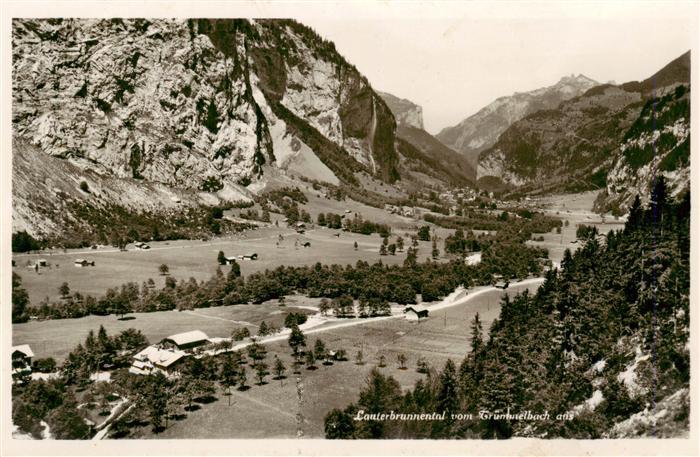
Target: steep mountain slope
{"x": 140, "y": 99}
{"x": 574, "y": 146}
{"x": 200, "y": 105}
{"x": 405, "y": 111}
{"x": 481, "y": 130}
{"x": 420, "y": 151}
{"x": 658, "y": 143}
{"x": 438, "y": 158}
{"x": 48, "y": 198}
{"x": 318, "y": 95}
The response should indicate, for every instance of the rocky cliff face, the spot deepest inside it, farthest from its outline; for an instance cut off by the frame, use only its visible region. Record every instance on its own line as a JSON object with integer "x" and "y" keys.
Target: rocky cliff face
{"x": 420, "y": 152}
{"x": 481, "y": 130}
{"x": 657, "y": 144}
{"x": 405, "y": 111}
{"x": 137, "y": 99}
{"x": 204, "y": 105}
{"x": 576, "y": 145}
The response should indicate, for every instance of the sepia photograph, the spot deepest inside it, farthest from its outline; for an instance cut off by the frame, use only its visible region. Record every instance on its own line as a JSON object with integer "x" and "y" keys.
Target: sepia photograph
{"x": 423, "y": 222}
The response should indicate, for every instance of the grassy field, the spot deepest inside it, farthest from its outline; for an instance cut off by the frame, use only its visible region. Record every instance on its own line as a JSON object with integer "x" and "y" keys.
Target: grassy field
{"x": 270, "y": 410}
{"x": 575, "y": 208}
{"x": 196, "y": 258}
{"x": 273, "y": 410}
{"x": 56, "y": 338}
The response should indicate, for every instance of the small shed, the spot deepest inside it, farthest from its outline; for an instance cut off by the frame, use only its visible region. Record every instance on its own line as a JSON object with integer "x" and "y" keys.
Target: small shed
{"x": 42, "y": 263}
{"x": 415, "y": 312}
{"x": 307, "y": 244}
{"x": 79, "y": 263}
{"x": 502, "y": 284}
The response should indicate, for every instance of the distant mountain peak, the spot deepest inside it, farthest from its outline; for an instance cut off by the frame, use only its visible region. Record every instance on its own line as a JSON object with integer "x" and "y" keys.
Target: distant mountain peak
{"x": 577, "y": 79}
{"x": 611, "y": 137}
{"x": 481, "y": 130}
{"x": 405, "y": 111}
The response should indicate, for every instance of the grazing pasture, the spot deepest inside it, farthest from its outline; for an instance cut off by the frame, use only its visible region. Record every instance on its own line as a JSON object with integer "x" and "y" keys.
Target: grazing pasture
{"x": 56, "y": 338}
{"x": 274, "y": 406}
{"x": 198, "y": 259}
{"x": 576, "y": 209}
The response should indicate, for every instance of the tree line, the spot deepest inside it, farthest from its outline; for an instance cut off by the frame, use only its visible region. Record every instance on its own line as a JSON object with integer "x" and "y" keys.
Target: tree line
{"x": 502, "y": 254}
{"x": 372, "y": 284}
{"x": 551, "y": 351}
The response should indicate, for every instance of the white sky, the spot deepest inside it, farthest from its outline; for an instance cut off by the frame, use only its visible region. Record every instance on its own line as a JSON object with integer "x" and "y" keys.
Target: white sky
{"x": 453, "y": 59}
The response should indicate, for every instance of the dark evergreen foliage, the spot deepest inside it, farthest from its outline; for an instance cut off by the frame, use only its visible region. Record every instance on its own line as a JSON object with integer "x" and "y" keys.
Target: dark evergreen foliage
{"x": 611, "y": 298}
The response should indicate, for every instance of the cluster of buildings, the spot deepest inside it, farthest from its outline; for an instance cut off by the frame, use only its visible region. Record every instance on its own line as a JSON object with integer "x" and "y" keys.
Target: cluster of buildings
{"x": 168, "y": 355}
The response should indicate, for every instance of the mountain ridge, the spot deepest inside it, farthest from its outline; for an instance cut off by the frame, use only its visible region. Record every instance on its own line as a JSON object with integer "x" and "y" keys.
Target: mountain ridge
{"x": 575, "y": 146}
{"x": 425, "y": 150}
{"x": 200, "y": 105}
{"x": 481, "y": 130}
{"x": 405, "y": 111}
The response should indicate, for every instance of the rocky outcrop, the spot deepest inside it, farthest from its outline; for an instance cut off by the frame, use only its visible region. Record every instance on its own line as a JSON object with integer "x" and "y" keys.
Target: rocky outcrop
{"x": 202, "y": 105}
{"x": 481, "y": 130}
{"x": 304, "y": 78}
{"x": 405, "y": 111}
{"x": 421, "y": 152}
{"x": 658, "y": 144}
{"x": 139, "y": 99}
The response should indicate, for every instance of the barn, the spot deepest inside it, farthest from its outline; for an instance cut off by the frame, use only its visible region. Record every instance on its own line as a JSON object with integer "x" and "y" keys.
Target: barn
{"x": 187, "y": 340}
{"x": 22, "y": 353}
{"x": 79, "y": 263}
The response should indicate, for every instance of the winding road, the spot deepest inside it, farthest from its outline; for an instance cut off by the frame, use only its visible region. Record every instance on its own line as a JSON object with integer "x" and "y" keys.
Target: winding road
{"x": 319, "y": 325}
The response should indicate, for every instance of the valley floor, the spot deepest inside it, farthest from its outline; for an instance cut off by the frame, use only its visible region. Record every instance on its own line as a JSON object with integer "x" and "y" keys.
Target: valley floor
{"x": 275, "y": 410}
{"x": 270, "y": 411}
{"x": 197, "y": 259}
